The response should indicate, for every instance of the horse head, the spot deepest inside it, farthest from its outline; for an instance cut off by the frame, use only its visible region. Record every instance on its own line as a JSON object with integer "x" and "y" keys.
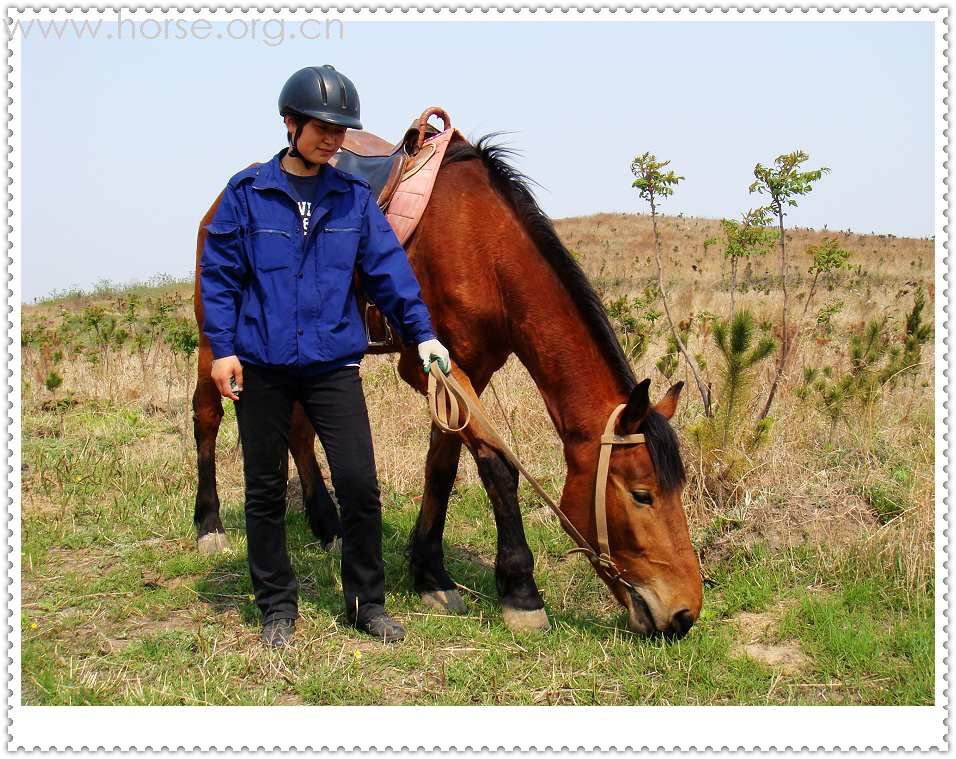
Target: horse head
{"x": 652, "y": 570}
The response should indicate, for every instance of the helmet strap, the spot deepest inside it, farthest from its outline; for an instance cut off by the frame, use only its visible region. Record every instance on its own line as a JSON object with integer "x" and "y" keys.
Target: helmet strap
{"x": 294, "y": 150}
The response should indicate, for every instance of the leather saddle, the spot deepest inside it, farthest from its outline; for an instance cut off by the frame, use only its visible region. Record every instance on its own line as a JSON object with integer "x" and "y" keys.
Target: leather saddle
{"x": 401, "y": 176}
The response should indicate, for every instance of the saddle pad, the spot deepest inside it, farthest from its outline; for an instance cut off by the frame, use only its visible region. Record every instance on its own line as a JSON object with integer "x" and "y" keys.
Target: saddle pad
{"x": 407, "y": 206}
{"x": 374, "y": 170}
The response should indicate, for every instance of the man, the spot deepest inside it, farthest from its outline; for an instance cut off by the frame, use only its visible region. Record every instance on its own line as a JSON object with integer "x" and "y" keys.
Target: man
{"x": 283, "y": 322}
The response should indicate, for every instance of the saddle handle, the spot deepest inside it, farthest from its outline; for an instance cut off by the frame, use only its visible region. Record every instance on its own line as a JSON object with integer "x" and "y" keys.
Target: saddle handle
{"x": 422, "y": 123}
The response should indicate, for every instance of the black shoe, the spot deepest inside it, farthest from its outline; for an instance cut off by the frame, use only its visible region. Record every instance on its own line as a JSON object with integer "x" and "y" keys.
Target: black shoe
{"x": 278, "y": 632}
{"x": 383, "y": 627}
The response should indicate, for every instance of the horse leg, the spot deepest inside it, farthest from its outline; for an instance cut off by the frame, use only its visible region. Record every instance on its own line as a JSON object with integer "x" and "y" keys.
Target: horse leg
{"x": 207, "y": 415}
{"x": 319, "y": 507}
{"x": 521, "y": 602}
{"x": 425, "y": 555}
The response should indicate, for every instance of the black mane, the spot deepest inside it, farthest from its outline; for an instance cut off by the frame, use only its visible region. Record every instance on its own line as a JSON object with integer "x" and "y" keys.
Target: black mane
{"x": 664, "y": 448}
{"x": 514, "y": 188}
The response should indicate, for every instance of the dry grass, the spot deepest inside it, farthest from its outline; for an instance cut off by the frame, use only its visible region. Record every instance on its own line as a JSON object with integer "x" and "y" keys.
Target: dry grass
{"x": 799, "y": 493}
{"x": 793, "y": 493}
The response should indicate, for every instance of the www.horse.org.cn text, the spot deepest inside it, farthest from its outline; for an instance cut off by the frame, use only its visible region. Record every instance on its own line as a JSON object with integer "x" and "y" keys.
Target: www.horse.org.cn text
{"x": 272, "y": 31}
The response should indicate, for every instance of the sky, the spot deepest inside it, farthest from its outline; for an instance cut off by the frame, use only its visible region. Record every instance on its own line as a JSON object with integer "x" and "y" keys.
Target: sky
{"x": 127, "y": 142}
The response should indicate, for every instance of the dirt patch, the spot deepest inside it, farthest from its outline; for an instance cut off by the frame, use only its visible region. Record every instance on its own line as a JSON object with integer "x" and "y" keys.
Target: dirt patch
{"x": 86, "y": 561}
{"x": 781, "y": 532}
{"x": 756, "y": 626}
{"x": 289, "y": 699}
{"x": 96, "y": 561}
{"x": 152, "y": 579}
{"x": 178, "y": 621}
{"x": 176, "y": 582}
{"x": 757, "y": 642}
{"x": 786, "y": 657}
{"x": 37, "y": 504}
{"x": 137, "y": 629}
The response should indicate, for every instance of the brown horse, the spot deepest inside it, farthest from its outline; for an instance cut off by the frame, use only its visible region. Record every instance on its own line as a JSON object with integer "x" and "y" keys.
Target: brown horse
{"x": 497, "y": 281}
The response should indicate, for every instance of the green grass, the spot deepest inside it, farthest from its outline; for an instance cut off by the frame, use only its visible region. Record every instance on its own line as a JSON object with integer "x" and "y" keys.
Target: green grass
{"x": 120, "y": 609}
{"x": 867, "y": 633}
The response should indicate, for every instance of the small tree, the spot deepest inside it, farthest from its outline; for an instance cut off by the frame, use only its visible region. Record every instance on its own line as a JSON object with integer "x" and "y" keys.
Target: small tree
{"x": 667, "y": 364}
{"x": 827, "y": 257}
{"x": 876, "y": 362}
{"x": 824, "y": 319}
{"x": 915, "y": 335}
{"x": 53, "y": 381}
{"x": 783, "y": 183}
{"x": 831, "y": 397}
{"x": 654, "y": 184}
{"x": 633, "y": 336}
{"x": 182, "y": 337}
{"x": 744, "y": 239}
{"x": 735, "y": 340}
{"x": 726, "y": 440}
{"x": 105, "y": 333}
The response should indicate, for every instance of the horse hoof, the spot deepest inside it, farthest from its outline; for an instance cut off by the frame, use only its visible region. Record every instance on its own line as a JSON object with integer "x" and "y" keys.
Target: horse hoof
{"x": 445, "y": 600}
{"x": 525, "y": 620}
{"x": 212, "y": 543}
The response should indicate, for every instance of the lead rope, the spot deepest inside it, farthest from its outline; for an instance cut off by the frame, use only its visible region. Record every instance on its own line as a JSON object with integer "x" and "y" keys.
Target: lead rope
{"x": 444, "y": 394}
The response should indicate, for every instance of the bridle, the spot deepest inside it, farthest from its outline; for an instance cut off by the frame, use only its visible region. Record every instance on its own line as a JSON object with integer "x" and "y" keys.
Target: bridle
{"x": 600, "y": 508}
{"x": 445, "y": 399}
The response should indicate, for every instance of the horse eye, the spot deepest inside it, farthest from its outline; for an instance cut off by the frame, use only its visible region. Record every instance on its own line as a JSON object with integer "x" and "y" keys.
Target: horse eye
{"x": 642, "y": 497}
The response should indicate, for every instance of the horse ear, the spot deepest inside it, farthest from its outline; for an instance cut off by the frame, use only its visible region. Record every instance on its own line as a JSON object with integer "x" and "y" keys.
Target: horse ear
{"x": 636, "y": 409}
{"x": 667, "y": 405}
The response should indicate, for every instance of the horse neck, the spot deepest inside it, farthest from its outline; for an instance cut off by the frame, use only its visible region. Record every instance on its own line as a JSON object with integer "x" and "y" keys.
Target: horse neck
{"x": 566, "y": 362}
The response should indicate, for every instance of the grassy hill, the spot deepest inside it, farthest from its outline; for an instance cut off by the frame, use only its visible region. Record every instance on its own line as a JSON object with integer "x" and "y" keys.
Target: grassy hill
{"x": 817, "y": 550}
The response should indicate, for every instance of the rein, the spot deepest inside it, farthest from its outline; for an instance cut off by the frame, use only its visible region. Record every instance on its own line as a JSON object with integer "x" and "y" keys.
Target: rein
{"x": 447, "y": 400}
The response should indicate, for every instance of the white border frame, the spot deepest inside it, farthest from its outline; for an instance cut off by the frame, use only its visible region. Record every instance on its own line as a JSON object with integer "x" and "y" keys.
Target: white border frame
{"x": 478, "y": 728}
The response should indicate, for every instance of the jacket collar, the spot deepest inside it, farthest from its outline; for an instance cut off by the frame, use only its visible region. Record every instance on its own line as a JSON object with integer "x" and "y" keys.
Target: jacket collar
{"x": 271, "y": 175}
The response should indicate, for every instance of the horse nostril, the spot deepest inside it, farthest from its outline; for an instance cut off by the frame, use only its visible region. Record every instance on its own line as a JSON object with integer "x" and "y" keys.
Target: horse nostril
{"x": 682, "y": 622}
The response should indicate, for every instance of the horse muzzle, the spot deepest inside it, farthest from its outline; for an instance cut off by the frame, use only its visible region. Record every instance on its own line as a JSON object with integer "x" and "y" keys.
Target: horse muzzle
{"x": 641, "y": 620}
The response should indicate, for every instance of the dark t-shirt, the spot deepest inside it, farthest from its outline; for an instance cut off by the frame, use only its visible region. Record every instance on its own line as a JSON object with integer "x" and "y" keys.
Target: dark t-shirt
{"x": 305, "y": 190}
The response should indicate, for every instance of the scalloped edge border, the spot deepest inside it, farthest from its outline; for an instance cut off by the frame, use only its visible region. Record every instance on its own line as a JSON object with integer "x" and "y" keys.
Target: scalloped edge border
{"x": 943, "y": 376}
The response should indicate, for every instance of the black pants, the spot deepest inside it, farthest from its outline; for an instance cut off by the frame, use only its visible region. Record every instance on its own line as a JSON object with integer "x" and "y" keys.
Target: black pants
{"x": 335, "y": 404}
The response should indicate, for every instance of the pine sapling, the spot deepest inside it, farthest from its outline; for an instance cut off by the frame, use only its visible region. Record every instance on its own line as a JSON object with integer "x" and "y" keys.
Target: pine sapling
{"x": 735, "y": 341}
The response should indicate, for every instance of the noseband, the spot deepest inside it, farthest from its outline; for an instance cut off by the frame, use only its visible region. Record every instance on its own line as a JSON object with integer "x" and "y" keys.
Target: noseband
{"x": 444, "y": 408}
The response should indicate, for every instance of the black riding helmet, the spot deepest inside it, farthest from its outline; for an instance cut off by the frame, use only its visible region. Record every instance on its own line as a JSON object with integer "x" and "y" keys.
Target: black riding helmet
{"x": 319, "y": 92}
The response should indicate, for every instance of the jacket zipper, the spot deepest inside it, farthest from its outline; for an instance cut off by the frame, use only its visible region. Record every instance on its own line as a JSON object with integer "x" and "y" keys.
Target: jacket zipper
{"x": 303, "y": 237}
{"x": 275, "y": 231}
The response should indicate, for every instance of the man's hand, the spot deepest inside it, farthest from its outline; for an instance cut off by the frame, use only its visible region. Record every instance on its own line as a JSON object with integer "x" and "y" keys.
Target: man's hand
{"x": 434, "y": 348}
{"x": 223, "y": 370}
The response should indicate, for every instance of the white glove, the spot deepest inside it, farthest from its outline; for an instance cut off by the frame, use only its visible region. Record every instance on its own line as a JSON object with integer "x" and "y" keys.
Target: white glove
{"x": 434, "y": 348}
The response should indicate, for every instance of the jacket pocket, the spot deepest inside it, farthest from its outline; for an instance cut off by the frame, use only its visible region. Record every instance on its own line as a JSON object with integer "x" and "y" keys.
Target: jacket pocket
{"x": 271, "y": 249}
{"x": 341, "y": 246}
{"x": 222, "y": 227}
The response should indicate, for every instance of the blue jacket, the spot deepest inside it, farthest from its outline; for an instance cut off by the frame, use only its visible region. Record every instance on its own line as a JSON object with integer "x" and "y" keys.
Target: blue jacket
{"x": 272, "y": 295}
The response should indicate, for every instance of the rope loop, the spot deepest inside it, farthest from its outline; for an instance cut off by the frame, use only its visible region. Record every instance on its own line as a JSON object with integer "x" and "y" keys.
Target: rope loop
{"x": 442, "y": 401}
